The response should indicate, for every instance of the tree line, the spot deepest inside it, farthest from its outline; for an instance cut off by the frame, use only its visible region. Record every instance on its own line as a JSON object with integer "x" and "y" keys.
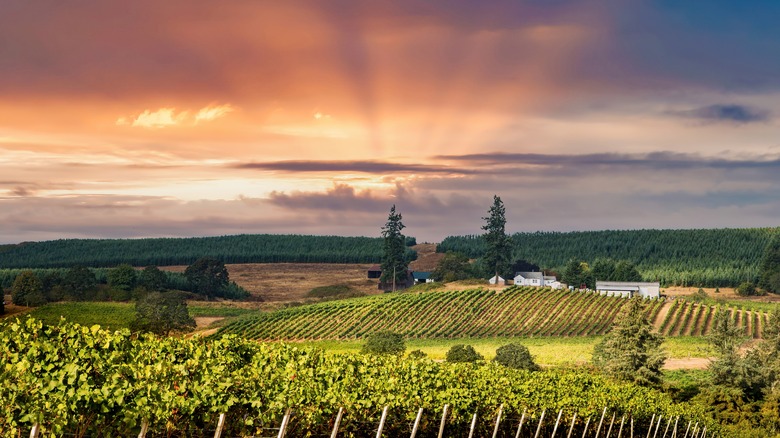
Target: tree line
{"x": 246, "y": 248}
{"x": 206, "y": 277}
{"x": 715, "y": 257}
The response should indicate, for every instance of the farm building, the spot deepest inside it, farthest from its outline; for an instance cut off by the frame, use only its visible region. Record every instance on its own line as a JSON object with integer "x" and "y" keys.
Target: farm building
{"x": 536, "y": 279}
{"x": 500, "y": 280}
{"x": 422, "y": 277}
{"x": 375, "y": 271}
{"x": 389, "y": 286}
{"x": 629, "y": 289}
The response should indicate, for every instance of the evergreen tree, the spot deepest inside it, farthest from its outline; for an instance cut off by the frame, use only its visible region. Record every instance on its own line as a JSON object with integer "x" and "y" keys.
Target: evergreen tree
{"x": 207, "y": 276}
{"x": 631, "y": 351}
{"x": 394, "y": 250}
{"x": 770, "y": 266}
{"x": 498, "y": 245}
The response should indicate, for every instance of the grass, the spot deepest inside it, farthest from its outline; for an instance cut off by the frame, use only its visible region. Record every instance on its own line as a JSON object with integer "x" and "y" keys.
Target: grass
{"x": 116, "y": 316}
{"x": 112, "y": 316}
{"x": 547, "y": 351}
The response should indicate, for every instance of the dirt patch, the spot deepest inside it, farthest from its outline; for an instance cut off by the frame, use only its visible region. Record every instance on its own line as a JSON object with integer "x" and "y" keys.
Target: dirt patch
{"x": 727, "y": 293}
{"x": 427, "y": 258}
{"x": 205, "y": 321}
{"x": 691, "y": 363}
{"x": 291, "y": 281}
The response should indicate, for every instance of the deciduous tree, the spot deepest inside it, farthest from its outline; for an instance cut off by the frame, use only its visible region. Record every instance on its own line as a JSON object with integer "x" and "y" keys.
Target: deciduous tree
{"x": 162, "y": 313}
{"x": 122, "y": 277}
{"x": 152, "y": 278}
{"x": 27, "y": 290}
{"x": 207, "y": 276}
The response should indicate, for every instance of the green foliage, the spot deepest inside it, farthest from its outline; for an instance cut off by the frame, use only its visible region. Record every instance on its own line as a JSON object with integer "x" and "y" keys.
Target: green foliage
{"x": 770, "y": 266}
{"x": 699, "y": 297}
{"x": 452, "y": 267}
{"x": 384, "y": 342}
{"x": 516, "y": 356}
{"x": 746, "y": 289}
{"x": 84, "y": 381}
{"x": 417, "y": 354}
{"x": 631, "y": 351}
{"x": 606, "y": 269}
{"x": 122, "y": 277}
{"x": 463, "y": 353}
{"x": 335, "y": 291}
{"x": 152, "y": 278}
{"x": 162, "y": 313}
{"x": 709, "y": 258}
{"x": 473, "y": 313}
{"x": 498, "y": 245}
{"x": 394, "y": 261}
{"x": 208, "y": 276}
{"x": 27, "y": 290}
{"x": 247, "y": 248}
{"x": 577, "y": 273}
{"x": 77, "y": 282}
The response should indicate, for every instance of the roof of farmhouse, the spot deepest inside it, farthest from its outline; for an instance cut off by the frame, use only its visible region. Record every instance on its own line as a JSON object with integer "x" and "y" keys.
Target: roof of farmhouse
{"x": 624, "y": 285}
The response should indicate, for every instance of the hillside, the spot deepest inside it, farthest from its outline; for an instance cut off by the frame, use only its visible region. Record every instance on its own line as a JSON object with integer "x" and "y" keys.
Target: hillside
{"x": 713, "y": 257}
{"x": 247, "y": 248}
{"x": 514, "y": 311}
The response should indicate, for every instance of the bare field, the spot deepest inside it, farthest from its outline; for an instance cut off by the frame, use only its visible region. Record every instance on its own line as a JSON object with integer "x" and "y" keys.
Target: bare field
{"x": 726, "y": 293}
{"x": 291, "y": 281}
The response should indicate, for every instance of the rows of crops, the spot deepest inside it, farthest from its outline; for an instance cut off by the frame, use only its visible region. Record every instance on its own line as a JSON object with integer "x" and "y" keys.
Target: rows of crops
{"x": 515, "y": 311}
{"x": 694, "y": 319}
{"x": 79, "y": 381}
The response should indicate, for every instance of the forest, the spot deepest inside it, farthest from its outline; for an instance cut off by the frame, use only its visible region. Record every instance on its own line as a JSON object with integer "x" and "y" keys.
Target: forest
{"x": 696, "y": 257}
{"x": 246, "y": 248}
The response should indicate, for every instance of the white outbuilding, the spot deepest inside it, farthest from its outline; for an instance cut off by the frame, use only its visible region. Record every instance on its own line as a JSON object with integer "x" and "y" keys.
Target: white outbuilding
{"x": 500, "y": 280}
{"x": 629, "y": 289}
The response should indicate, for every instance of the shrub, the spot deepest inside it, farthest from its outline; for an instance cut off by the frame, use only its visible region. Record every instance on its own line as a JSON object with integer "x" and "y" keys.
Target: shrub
{"x": 384, "y": 342}
{"x": 334, "y": 291}
{"x": 746, "y": 289}
{"x": 417, "y": 354}
{"x": 516, "y": 356}
{"x": 699, "y": 297}
{"x": 463, "y": 353}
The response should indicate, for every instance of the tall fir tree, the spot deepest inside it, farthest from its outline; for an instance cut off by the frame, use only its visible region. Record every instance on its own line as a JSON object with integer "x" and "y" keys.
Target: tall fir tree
{"x": 770, "y": 266}
{"x": 498, "y": 245}
{"x": 631, "y": 351}
{"x": 394, "y": 256}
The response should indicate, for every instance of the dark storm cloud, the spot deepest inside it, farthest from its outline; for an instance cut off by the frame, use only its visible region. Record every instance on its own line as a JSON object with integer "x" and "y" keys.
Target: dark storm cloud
{"x": 734, "y": 114}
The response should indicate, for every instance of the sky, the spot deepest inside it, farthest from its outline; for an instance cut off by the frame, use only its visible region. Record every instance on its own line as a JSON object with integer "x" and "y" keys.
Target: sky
{"x": 194, "y": 118}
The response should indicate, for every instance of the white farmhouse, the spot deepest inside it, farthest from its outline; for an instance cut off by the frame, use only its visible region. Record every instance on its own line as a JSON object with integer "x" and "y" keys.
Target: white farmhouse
{"x": 536, "y": 279}
{"x": 629, "y": 289}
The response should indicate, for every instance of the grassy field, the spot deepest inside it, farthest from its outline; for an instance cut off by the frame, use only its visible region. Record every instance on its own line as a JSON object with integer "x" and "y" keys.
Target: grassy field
{"x": 117, "y": 316}
{"x": 548, "y": 351}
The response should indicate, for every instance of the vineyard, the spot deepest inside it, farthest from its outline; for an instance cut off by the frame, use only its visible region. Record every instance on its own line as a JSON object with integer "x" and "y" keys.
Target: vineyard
{"x": 704, "y": 257}
{"x": 684, "y": 318}
{"x": 476, "y": 313}
{"x": 70, "y": 380}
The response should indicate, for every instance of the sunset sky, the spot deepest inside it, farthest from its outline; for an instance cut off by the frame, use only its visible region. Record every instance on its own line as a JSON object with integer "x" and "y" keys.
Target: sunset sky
{"x": 194, "y": 118}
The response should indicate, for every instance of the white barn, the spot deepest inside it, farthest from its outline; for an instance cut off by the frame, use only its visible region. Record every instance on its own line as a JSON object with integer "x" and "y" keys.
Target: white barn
{"x": 500, "y": 280}
{"x": 536, "y": 279}
{"x": 629, "y": 289}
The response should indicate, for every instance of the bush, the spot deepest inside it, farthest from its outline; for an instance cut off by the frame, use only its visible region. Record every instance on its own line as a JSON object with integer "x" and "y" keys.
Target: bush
{"x": 746, "y": 289}
{"x": 417, "y": 354}
{"x": 463, "y": 353}
{"x": 384, "y": 342}
{"x": 516, "y": 356}
{"x": 334, "y": 291}
{"x": 699, "y": 297}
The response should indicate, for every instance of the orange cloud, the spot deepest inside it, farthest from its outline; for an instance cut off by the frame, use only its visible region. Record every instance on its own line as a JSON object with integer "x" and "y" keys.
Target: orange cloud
{"x": 168, "y": 117}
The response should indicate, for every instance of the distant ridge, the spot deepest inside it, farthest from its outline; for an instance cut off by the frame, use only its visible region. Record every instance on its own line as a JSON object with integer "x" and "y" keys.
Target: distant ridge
{"x": 695, "y": 257}
{"x": 244, "y": 248}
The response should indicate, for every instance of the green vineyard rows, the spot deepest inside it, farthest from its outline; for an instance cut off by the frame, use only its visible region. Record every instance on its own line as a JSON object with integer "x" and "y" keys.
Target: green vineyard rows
{"x": 476, "y": 313}
{"x": 78, "y": 381}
